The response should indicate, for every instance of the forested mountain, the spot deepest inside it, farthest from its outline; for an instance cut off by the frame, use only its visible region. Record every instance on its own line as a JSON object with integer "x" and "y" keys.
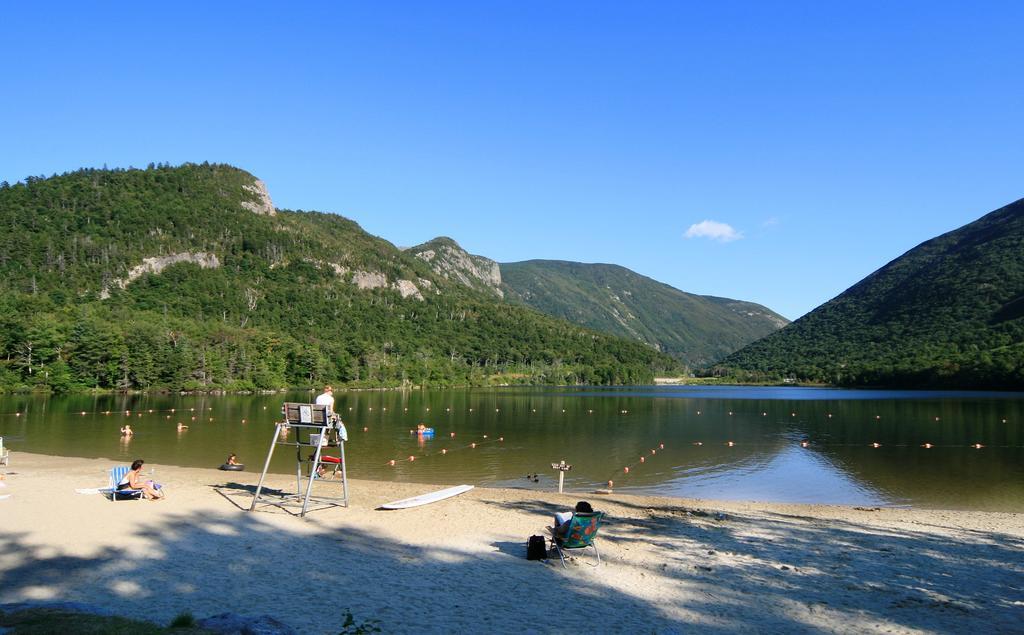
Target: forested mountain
{"x": 696, "y": 330}
{"x": 948, "y": 313}
{"x": 188, "y": 278}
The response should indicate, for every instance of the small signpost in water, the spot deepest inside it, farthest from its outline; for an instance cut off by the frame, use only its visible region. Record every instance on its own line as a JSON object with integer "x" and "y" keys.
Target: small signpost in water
{"x": 562, "y": 468}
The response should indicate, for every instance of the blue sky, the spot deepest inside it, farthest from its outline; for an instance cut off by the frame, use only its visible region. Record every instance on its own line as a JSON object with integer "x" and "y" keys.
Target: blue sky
{"x": 819, "y": 140}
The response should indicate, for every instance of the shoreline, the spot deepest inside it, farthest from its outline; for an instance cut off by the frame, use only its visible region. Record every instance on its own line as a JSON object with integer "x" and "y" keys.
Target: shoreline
{"x": 670, "y": 564}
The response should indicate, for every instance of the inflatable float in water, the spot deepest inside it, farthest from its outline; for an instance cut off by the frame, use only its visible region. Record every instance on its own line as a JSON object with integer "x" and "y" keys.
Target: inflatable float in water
{"x": 237, "y": 467}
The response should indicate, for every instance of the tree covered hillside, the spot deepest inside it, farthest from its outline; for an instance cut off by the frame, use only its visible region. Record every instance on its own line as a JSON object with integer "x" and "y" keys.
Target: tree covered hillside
{"x": 188, "y": 278}
{"x": 697, "y": 330}
{"x": 950, "y": 312}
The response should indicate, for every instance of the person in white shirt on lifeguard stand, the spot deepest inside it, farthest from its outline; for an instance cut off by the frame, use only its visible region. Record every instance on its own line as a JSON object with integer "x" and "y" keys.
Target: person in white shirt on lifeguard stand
{"x": 326, "y": 398}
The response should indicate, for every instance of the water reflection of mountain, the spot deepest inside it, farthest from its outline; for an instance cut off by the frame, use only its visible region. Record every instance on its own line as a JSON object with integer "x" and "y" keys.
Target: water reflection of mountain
{"x": 943, "y": 477}
{"x": 792, "y": 474}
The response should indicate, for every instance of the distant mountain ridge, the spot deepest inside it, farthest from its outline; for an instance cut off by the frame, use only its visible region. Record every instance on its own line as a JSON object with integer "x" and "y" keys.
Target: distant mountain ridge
{"x": 696, "y": 330}
{"x": 949, "y": 312}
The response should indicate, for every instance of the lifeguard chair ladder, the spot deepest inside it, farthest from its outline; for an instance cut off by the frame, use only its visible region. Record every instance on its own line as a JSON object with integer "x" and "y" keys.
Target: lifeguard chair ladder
{"x": 311, "y": 423}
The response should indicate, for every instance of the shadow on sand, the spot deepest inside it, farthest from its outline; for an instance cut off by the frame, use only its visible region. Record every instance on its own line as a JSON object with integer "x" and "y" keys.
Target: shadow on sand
{"x": 797, "y": 575}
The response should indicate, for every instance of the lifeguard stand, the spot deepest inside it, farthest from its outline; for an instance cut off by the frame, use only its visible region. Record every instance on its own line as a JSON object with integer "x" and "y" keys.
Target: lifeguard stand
{"x": 313, "y": 425}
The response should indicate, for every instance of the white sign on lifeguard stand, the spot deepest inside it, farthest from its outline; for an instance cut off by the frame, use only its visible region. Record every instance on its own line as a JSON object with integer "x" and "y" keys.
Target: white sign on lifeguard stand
{"x": 562, "y": 468}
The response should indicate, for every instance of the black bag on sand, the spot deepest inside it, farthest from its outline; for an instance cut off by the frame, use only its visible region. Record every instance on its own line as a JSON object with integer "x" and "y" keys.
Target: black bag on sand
{"x": 536, "y": 548}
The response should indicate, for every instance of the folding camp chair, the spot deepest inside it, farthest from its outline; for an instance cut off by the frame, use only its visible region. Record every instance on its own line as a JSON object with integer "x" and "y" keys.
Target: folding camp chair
{"x": 580, "y": 534}
{"x": 116, "y": 474}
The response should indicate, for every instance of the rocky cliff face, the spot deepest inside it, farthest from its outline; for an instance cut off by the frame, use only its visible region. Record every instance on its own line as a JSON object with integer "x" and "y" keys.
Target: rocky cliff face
{"x": 451, "y": 261}
{"x": 262, "y": 204}
{"x": 158, "y": 264}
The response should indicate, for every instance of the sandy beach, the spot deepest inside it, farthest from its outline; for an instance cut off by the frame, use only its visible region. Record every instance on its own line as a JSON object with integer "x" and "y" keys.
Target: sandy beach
{"x": 670, "y": 565}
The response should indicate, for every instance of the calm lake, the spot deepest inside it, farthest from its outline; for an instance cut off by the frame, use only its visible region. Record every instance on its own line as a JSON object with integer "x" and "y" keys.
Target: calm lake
{"x": 737, "y": 443}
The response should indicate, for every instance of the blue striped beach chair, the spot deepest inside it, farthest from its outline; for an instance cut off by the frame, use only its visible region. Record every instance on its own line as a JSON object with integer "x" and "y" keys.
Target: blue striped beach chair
{"x": 116, "y": 474}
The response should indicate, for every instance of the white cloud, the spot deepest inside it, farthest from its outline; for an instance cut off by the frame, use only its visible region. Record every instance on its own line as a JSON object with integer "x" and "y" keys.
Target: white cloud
{"x": 714, "y": 230}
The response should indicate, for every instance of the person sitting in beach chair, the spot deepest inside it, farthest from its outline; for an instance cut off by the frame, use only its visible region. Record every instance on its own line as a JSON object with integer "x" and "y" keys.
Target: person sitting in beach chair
{"x": 132, "y": 481}
{"x": 578, "y": 532}
{"x": 562, "y": 518}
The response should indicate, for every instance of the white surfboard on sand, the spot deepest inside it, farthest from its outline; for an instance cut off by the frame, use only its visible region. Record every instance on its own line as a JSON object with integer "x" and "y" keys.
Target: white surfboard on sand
{"x": 429, "y": 497}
